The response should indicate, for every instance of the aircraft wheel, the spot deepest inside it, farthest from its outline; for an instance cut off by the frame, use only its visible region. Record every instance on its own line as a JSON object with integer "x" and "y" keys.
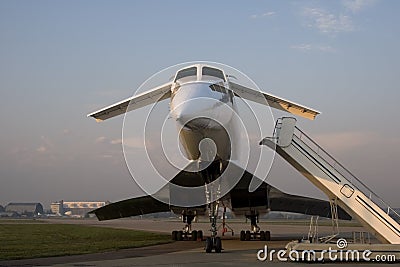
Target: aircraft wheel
{"x": 263, "y": 236}
{"x": 248, "y": 235}
{"x": 200, "y": 235}
{"x": 174, "y": 235}
{"x": 268, "y": 235}
{"x": 209, "y": 245}
{"x": 194, "y": 235}
{"x": 179, "y": 236}
{"x": 218, "y": 245}
{"x": 242, "y": 235}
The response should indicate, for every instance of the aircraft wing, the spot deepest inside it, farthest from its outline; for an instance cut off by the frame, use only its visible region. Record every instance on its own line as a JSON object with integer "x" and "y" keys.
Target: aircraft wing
{"x": 148, "y": 204}
{"x": 265, "y": 197}
{"x": 273, "y": 101}
{"x": 280, "y": 201}
{"x": 268, "y": 197}
{"x": 154, "y": 95}
{"x": 130, "y": 207}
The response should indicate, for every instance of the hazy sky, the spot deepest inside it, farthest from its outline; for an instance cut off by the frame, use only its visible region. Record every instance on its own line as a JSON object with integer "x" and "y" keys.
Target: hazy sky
{"x": 62, "y": 60}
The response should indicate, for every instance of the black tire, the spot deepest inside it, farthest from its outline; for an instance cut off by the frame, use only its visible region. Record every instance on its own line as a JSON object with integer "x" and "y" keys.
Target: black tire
{"x": 200, "y": 235}
{"x": 263, "y": 236}
{"x": 179, "y": 236}
{"x": 174, "y": 235}
{"x": 242, "y": 236}
{"x": 218, "y": 245}
{"x": 248, "y": 235}
{"x": 209, "y": 245}
{"x": 194, "y": 235}
{"x": 268, "y": 236}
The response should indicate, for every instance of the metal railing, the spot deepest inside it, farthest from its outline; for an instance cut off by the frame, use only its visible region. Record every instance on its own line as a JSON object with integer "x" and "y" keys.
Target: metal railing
{"x": 331, "y": 161}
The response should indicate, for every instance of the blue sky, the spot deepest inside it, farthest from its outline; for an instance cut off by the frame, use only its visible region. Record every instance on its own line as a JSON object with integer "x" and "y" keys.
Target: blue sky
{"x": 62, "y": 60}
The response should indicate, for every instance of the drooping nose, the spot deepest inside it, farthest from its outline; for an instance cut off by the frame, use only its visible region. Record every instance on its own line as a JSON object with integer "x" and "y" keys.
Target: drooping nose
{"x": 197, "y": 105}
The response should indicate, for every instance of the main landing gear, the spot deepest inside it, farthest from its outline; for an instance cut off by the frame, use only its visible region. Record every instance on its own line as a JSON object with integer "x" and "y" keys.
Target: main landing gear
{"x": 254, "y": 233}
{"x": 187, "y": 234}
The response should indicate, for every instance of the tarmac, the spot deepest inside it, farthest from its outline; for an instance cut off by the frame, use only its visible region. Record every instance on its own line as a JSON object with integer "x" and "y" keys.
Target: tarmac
{"x": 188, "y": 253}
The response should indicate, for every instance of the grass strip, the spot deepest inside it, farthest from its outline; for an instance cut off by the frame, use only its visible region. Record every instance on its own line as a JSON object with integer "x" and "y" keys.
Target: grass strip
{"x": 25, "y": 241}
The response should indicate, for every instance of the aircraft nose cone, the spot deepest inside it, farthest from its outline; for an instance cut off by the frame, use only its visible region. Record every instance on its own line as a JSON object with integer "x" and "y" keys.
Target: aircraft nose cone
{"x": 194, "y": 108}
{"x": 198, "y": 105}
{"x": 193, "y": 116}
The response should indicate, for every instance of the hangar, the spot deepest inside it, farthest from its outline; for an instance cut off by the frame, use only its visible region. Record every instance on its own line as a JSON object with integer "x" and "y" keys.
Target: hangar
{"x": 81, "y": 208}
{"x": 25, "y": 209}
{"x": 76, "y": 208}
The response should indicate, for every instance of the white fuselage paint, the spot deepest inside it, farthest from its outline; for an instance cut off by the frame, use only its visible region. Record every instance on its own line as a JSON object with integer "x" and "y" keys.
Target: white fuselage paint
{"x": 203, "y": 110}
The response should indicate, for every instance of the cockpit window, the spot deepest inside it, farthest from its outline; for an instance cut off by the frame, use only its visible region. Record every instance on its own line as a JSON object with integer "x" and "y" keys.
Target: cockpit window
{"x": 186, "y": 73}
{"x": 207, "y": 71}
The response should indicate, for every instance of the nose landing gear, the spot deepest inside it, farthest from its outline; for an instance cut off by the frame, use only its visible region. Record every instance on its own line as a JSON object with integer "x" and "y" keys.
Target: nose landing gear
{"x": 214, "y": 242}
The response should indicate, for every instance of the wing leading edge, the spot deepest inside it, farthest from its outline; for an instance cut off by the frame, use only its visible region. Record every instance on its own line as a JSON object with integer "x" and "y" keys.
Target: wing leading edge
{"x": 130, "y": 207}
{"x": 138, "y": 101}
{"x": 273, "y": 101}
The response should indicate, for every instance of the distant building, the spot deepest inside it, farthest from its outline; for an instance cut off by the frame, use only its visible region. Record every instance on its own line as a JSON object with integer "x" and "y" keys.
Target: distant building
{"x": 3, "y": 213}
{"x": 57, "y": 207}
{"x": 25, "y": 209}
{"x": 10, "y": 214}
{"x": 81, "y": 208}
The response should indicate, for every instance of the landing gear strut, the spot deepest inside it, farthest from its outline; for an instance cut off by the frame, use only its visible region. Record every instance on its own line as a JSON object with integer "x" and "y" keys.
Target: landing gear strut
{"x": 254, "y": 233}
{"x": 187, "y": 233}
{"x": 213, "y": 196}
{"x": 214, "y": 242}
{"x": 225, "y": 227}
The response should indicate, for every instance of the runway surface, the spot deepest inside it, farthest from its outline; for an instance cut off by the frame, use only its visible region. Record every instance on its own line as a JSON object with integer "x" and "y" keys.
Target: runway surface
{"x": 185, "y": 253}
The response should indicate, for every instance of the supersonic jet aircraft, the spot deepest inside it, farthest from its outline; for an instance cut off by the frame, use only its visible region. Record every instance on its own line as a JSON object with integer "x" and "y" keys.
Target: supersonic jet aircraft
{"x": 210, "y": 118}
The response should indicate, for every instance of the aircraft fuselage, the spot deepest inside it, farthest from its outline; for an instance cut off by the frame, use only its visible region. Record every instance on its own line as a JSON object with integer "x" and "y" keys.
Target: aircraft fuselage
{"x": 203, "y": 109}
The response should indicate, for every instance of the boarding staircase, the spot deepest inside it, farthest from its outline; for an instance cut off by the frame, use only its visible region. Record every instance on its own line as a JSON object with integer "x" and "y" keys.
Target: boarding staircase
{"x": 334, "y": 180}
